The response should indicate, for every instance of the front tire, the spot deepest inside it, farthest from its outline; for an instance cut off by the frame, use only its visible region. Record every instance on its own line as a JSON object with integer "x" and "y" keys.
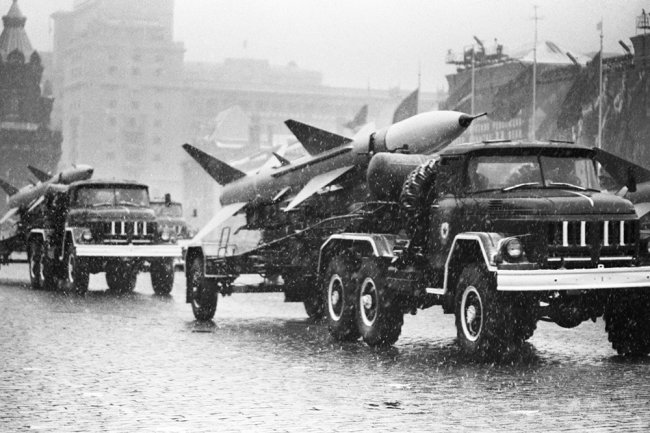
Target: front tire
{"x": 379, "y": 318}
{"x": 77, "y": 275}
{"x": 162, "y": 276}
{"x": 488, "y": 323}
{"x": 121, "y": 279}
{"x": 339, "y": 289}
{"x": 627, "y": 322}
{"x": 35, "y": 258}
{"x": 203, "y": 298}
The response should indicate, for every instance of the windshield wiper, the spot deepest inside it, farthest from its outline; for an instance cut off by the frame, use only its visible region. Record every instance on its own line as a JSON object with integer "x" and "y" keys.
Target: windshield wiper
{"x": 106, "y": 203}
{"x": 128, "y": 203}
{"x": 567, "y": 185}
{"x": 520, "y": 185}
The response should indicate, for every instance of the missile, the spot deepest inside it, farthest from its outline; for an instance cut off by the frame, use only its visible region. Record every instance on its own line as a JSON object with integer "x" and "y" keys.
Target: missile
{"x": 29, "y": 196}
{"x": 332, "y": 159}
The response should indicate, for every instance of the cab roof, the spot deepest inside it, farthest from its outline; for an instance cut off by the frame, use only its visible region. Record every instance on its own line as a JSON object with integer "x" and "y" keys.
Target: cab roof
{"x": 108, "y": 182}
{"x": 496, "y": 145}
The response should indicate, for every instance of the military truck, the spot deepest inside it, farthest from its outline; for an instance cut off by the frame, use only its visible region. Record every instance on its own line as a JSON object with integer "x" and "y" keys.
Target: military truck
{"x": 97, "y": 226}
{"x": 500, "y": 234}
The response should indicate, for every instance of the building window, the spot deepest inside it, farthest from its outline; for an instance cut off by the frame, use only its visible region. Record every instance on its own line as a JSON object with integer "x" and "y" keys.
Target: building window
{"x": 110, "y": 156}
{"x": 157, "y": 106}
{"x": 112, "y": 70}
{"x": 157, "y": 123}
{"x": 135, "y": 71}
{"x": 112, "y": 103}
{"x": 158, "y": 72}
{"x": 156, "y": 140}
{"x": 156, "y": 157}
{"x": 112, "y": 121}
{"x": 135, "y": 105}
{"x": 137, "y": 57}
{"x": 160, "y": 58}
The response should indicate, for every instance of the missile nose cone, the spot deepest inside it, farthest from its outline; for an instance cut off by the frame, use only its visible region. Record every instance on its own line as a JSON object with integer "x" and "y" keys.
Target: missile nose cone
{"x": 466, "y": 120}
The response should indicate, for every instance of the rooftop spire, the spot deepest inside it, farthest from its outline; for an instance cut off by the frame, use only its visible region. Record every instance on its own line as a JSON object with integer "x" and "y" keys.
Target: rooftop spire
{"x": 13, "y": 35}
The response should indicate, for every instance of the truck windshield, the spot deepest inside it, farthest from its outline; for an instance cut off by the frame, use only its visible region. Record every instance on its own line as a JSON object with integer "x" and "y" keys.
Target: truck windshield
{"x": 508, "y": 172}
{"x": 96, "y": 196}
{"x": 174, "y": 210}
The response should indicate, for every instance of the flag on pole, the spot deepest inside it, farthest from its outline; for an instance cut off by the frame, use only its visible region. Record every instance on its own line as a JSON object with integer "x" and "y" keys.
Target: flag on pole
{"x": 599, "y": 26}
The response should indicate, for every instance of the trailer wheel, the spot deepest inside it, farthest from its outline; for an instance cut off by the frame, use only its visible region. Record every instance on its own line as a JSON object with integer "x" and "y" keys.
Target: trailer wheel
{"x": 77, "y": 274}
{"x": 627, "y": 323}
{"x": 379, "y": 317}
{"x": 35, "y": 258}
{"x": 340, "y": 299}
{"x": 313, "y": 302}
{"x": 162, "y": 276}
{"x": 487, "y": 321}
{"x": 204, "y": 298}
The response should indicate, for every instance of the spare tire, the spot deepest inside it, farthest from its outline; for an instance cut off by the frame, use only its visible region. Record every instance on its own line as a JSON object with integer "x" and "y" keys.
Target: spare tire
{"x": 414, "y": 201}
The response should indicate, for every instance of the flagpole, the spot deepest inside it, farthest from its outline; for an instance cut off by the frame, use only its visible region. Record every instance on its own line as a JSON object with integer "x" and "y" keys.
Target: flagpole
{"x": 600, "y": 90}
{"x": 473, "y": 108}
{"x": 533, "y": 120}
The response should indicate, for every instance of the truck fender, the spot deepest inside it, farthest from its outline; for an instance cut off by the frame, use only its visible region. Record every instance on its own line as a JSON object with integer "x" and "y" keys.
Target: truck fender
{"x": 358, "y": 244}
{"x": 467, "y": 248}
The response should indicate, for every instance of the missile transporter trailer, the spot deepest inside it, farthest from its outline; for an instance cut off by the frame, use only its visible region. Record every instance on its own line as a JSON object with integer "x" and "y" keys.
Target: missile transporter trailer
{"x": 500, "y": 234}
{"x": 96, "y": 226}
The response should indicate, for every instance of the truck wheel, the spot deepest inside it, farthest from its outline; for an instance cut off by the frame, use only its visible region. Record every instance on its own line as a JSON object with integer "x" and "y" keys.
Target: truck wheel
{"x": 162, "y": 276}
{"x": 379, "y": 318}
{"x": 313, "y": 302}
{"x": 121, "y": 279}
{"x": 204, "y": 298}
{"x": 77, "y": 274}
{"x": 627, "y": 323}
{"x": 340, "y": 299}
{"x": 35, "y": 259}
{"x": 484, "y": 321}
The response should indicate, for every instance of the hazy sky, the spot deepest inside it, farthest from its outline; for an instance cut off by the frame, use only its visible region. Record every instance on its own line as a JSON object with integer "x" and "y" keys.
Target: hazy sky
{"x": 380, "y": 42}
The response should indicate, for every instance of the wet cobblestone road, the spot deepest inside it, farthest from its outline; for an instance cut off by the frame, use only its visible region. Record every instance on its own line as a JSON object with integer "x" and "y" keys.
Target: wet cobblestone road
{"x": 141, "y": 363}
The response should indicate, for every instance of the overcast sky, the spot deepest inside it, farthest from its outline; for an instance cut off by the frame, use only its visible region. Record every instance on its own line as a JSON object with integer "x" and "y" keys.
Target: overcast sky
{"x": 378, "y": 42}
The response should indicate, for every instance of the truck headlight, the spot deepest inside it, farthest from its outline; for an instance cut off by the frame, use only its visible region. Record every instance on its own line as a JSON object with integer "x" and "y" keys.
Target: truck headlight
{"x": 87, "y": 235}
{"x": 164, "y": 235}
{"x": 512, "y": 249}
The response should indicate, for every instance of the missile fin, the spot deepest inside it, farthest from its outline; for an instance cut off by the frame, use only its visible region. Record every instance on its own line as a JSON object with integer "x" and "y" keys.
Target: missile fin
{"x": 315, "y": 184}
{"x": 284, "y": 161}
{"x": 281, "y": 194}
{"x": 219, "y": 218}
{"x": 39, "y": 174}
{"x": 8, "y": 188}
{"x": 219, "y": 170}
{"x": 315, "y": 140}
{"x": 8, "y": 215}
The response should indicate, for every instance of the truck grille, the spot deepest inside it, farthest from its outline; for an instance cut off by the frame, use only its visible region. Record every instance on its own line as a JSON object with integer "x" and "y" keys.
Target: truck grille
{"x": 591, "y": 243}
{"x": 124, "y": 231}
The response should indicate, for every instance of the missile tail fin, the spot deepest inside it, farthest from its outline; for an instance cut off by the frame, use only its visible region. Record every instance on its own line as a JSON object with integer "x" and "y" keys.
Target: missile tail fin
{"x": 39, "y": 174}
{"x": 284, "y": 161}
{"x": 219, "y": 170}
{"x": 8, "y": 188}
{"x": 315, "y": 140}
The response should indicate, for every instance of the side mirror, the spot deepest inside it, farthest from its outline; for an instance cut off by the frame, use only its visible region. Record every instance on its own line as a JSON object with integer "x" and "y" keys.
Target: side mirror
{"x": 631, "y": 180}
{"x": 195, "y": 213}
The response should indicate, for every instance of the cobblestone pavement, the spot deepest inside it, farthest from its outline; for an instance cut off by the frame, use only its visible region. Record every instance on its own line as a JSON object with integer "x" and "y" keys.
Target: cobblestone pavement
{"x": 139, "y": 362}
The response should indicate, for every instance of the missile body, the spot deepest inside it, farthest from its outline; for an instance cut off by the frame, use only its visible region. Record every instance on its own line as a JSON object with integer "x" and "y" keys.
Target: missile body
{"x": 27, "y": 195}
{"x": 424, "y": 133}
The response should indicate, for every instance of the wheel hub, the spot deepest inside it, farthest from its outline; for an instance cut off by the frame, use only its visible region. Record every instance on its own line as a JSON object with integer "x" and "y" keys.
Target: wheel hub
{"x": 335, "y": 298}
{"x": 366, "y": 301}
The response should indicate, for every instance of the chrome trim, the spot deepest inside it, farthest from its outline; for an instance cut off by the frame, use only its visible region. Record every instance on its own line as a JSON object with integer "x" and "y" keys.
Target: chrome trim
{"x": 128, "y": 251}
{"x": 573, "y": 279}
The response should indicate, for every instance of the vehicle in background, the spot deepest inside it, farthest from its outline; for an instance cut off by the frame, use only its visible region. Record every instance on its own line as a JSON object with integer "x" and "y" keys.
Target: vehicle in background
{"x": 169, "y": 215}
{"x": 99, "y": 226}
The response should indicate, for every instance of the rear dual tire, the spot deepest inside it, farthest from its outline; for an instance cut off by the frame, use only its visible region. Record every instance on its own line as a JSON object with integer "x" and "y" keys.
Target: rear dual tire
{"x": 203, "y": 297}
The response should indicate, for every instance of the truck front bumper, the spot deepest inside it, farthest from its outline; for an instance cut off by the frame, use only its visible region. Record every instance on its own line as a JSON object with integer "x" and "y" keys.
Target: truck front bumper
{"x": 573, "y": 279}
{"x": 128, "y": 250}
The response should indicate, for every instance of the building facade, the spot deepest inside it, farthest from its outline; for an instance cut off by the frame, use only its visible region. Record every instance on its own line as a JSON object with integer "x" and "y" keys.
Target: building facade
{"x": 25, "y": 106}
{"x": 127, "y": 101}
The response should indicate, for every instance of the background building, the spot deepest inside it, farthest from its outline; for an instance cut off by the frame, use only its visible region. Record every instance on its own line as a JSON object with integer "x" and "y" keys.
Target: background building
{"x": 126, "y": 101}
{"x": 25, "y": 106}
